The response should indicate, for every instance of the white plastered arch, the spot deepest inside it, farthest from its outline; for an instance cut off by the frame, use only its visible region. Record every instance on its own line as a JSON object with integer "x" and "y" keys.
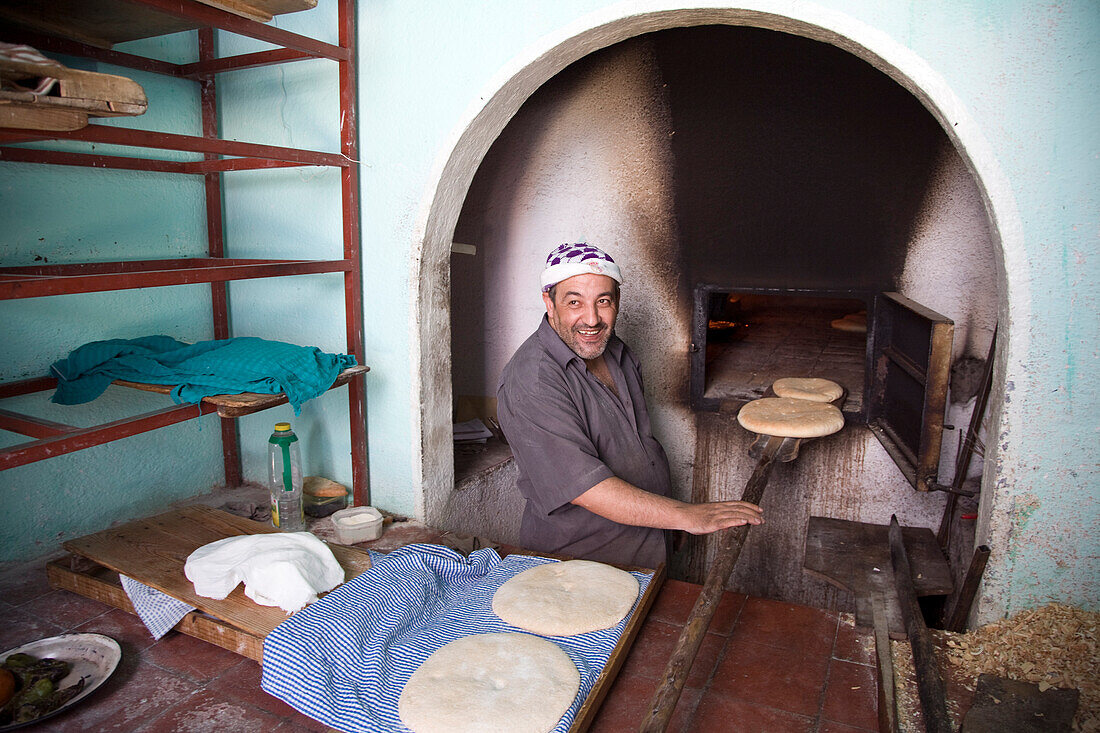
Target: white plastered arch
{"x": 483, "y": 121}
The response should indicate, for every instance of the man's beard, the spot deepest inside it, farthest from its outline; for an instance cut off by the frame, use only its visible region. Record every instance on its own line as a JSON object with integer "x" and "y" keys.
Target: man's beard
{"x": 584, "y": 349}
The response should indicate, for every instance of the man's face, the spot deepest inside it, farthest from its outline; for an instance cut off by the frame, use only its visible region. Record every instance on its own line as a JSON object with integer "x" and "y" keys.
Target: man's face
{"x": 583, "y": 312}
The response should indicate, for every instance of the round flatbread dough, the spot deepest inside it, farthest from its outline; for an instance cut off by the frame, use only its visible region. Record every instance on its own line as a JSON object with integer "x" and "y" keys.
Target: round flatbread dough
{"x": 852, "y": 323}
{"x": 566, "y": 598}
{"x": 490, "y": 682}
{"x": 790, "y": 418}
{"x": 807, "y": 388}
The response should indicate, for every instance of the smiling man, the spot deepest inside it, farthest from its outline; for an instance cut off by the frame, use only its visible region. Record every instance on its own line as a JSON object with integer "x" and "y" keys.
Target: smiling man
{"x": 571, "y": 404}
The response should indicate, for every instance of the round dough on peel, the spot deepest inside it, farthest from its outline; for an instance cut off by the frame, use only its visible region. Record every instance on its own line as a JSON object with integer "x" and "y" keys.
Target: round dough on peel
{"x": 790, "y": 418}
{"x": 566, "y": 598}
{"x": 807, "y": 388}
{"x": 501, "y": 682}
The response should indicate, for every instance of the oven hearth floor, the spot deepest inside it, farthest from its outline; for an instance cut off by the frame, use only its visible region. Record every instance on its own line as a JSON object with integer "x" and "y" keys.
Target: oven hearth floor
{"x": 764, "y": 666}
{"x": 788, "y": 342}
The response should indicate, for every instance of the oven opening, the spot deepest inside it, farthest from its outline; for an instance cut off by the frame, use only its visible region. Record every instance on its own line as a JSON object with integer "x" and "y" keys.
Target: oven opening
{"x": 744, "y": 339}
{"x": 890, "y": 354}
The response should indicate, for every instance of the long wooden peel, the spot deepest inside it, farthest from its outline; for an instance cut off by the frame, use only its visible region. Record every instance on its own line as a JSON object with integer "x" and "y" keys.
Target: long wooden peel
{"x": 887, "y": 681}
{"x": 933, "y": 701}
{"x": 691, "y": 638}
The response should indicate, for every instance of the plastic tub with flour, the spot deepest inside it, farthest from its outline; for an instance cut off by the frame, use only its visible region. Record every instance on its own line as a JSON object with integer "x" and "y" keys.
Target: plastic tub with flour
{"x": 357, "y": 524}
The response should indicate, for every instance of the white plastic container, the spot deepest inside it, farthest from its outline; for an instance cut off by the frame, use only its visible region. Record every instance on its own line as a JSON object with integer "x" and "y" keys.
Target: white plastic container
{"x": 357, "y": 524}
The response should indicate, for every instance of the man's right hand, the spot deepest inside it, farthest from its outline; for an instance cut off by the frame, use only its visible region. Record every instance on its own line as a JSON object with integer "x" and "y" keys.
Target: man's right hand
{"x": 715, "y": 515}
{"x": 621, "y": 502}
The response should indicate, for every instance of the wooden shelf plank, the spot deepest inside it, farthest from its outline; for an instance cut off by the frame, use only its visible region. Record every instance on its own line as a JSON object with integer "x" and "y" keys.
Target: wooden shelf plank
{"x": 81, "y": 438}
{"x": 39, "y": 281}
{"x": 106, "y": 22}
{"x": 57, "y": 439}
{"x": 123, "y": 136}
{"x": 244, "y": 403}
{"x": 68, "y": 101}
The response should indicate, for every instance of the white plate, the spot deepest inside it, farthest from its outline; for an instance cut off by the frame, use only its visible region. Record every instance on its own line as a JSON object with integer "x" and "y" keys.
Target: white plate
{"x": 92, "y": 656}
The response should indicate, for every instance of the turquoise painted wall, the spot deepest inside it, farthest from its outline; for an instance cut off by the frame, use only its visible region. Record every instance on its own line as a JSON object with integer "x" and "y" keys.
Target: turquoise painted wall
{"x": 77, "y": 214}
{"x": 1025, "y": 74}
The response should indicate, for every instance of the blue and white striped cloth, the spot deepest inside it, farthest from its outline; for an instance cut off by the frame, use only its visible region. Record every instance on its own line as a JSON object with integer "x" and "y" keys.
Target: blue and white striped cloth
{"x": 158, "y": 611}
{"x": 345, "y": 659}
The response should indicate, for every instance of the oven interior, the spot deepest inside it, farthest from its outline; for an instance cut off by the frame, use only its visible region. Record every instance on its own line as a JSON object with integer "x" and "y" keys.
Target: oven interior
{"x": 894, "y": 369}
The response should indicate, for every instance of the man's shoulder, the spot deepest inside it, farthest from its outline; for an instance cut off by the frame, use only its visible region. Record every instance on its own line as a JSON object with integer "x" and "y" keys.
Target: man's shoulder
{"x": 530, "y": 364}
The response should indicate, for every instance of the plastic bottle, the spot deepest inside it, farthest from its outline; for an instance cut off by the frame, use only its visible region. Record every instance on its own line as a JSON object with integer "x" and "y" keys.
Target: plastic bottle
{"x": 285, "y": 479}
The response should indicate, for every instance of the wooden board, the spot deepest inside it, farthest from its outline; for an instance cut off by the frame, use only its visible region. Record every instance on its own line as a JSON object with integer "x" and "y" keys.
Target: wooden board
{"x": 94, "y": 581}
{"x": 1011, "y": 706}
{"x": 855, "y": 556}
{"x": 591, "y": 705}
{"x": 106, "y": 22}
{"x": 67, "y": 104}
{"x": 244, "y": 403}
{"x": 153, "y": 551}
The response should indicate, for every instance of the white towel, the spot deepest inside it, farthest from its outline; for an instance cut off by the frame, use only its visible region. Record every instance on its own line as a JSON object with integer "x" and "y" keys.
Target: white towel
{"x": 284, "y": 569}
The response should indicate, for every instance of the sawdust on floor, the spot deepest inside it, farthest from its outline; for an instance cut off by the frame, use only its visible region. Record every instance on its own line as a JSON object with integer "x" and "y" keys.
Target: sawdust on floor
{"x": 1052, "y": 646}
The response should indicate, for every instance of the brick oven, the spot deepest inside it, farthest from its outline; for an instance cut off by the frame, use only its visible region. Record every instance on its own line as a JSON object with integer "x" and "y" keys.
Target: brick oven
{"x": 755, "y": 186}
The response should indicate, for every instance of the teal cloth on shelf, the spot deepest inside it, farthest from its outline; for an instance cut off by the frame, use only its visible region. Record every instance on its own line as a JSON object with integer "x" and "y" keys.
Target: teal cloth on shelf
{"x": 227, "y": 366}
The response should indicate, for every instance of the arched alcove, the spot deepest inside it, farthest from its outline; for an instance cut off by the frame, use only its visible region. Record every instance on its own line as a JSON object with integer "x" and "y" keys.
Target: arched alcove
{"x": 515, "y": 85}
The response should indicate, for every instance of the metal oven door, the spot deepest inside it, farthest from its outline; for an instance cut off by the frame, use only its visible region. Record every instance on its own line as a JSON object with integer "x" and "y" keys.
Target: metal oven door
{"x": 911, "y": 365}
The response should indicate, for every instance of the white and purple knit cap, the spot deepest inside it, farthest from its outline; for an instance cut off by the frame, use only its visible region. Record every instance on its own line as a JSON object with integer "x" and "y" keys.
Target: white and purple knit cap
{"x": 567, "y": 260}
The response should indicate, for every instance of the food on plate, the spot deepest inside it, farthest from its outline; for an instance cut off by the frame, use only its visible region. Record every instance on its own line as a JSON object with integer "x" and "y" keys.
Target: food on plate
{"x": 506, "y": 682}
{"x": 566, "y": 598}
{"x": 36, "y": 690}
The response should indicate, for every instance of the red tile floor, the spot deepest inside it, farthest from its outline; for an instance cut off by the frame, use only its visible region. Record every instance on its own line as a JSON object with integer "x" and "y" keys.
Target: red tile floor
{"x": 764, "y": 666}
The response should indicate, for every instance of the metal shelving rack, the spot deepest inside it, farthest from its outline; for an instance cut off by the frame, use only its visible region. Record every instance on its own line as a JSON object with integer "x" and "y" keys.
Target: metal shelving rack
{"x": 219, "y": 156}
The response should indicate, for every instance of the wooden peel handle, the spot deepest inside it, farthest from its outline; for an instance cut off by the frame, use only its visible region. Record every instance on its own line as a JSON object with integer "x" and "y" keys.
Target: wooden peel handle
{"x": 691, "y": 638}
{"x": 933, "y": 701}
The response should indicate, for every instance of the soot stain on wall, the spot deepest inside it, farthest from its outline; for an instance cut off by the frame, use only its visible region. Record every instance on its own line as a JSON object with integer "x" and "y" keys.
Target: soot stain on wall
{"x": 798, "y": 165}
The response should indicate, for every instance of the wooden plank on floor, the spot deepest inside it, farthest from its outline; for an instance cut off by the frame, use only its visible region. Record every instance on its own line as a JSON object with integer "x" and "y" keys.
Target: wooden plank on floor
{"x": 855, "y": 556}
{"x": 105, "y": 587}
{"x": 154, "y": 550}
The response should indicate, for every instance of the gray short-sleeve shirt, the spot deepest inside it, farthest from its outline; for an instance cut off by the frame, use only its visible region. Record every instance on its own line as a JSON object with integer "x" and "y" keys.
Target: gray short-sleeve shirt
{"x": 569, "y": 432}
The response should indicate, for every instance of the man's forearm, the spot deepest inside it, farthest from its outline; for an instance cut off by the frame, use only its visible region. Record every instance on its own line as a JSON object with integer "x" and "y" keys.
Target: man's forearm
{"x": 625, "y": 503}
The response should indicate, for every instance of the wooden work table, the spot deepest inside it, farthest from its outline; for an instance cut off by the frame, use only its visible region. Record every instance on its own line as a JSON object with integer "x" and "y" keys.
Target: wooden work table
{"x": 771, "y": 666}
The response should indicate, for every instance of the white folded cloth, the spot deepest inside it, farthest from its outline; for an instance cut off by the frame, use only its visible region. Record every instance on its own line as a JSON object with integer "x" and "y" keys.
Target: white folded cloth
{"x": 284, "y": 569}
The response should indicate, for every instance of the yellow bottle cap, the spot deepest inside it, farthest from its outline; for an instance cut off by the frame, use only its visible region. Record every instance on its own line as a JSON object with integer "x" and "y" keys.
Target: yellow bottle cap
{"x": 282, "y": 427}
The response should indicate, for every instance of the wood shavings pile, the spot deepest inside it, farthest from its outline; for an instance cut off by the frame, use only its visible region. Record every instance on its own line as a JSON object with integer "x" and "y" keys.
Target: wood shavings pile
{"x": 1052, "y": 646}
{"x": 910, "y": 716}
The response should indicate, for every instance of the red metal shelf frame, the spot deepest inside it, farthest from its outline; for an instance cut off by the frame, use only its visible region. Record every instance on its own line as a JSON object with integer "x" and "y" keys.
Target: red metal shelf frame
{"x": 217, "y": 156}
